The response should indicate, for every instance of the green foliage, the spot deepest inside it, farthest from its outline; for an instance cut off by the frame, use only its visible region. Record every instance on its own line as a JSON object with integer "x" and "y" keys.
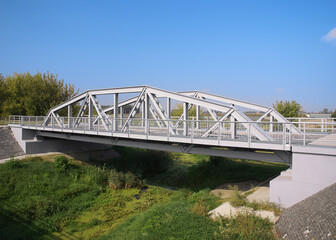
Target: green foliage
{"x": 179, "y": 110}
{"x": 172, "y": 220}
{"x": 119, "y": 180}
{"x": 237, "y": 199}
{"x": 211, "y": 172}
{"x": 333, "y": 115}
{"x": 61, "y": 163}
{"x": 21, "y": 93}
{"x": 288, "y": 109}
{"x": 141, "y": 162}
{"x": 12, "y": 163}
{"x": 42, "y": 198}
{"x": 36, "y": 198}
{"x": 244, "y": 227}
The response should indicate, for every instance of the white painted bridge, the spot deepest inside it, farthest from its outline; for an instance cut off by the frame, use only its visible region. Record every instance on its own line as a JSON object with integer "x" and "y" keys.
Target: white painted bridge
{"x": 143, "y": 115}
{"x": 203, "y": 123}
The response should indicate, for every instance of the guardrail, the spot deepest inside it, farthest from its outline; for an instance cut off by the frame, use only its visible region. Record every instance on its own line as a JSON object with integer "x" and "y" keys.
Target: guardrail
{"x": 315, "y": 124}
{"x": 191, "y": 131}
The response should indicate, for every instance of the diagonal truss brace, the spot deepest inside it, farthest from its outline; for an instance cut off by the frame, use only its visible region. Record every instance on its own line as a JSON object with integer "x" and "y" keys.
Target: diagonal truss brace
{"x": 136, "y": 106}
{"x": 217, "y": 124}
{"x": 155, "y": 102}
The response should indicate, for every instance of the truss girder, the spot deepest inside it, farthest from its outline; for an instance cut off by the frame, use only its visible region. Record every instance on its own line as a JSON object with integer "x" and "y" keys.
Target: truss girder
{"x": 195, "y": 95}
{"x": 216, "y": 106}
{"x": 217, "y": 124}
{"x": 136, "y": 106}
{"x": 160, "y": 111}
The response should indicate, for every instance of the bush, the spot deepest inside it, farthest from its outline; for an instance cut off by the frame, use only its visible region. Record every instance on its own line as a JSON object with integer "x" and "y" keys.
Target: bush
{"x": 119, "y": 180}
{"x": 143, "y": 163}
{"x": 237, "y": 199}
{"x": 12, "y": 163}
{"x": 61, "y": 163}
{"x": 200, "y": 208}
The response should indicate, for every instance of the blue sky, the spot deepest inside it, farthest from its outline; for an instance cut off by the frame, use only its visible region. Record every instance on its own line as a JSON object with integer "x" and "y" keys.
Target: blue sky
{"x": 258, "y": 51}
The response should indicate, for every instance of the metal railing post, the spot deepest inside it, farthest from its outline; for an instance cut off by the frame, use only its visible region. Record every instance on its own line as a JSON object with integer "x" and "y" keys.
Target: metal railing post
{"x": 147, "y": 127}
{"x": 98, "y": 127}
{"x": 168, "y": 129}
{"x": 219, "y": 132}
{"x": 249, "y": 135}
{"x": 129, "y": 128}
{"x": 290, "y": 135}
{"x": 284, "y": 135}
{"x": 192, "y": 131}
{"x": 304, "y": 134}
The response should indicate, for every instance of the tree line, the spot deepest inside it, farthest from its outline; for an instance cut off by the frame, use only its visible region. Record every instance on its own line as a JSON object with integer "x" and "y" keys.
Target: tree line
{"x": 35, "y": 94}
{"x": 32, "y": 94}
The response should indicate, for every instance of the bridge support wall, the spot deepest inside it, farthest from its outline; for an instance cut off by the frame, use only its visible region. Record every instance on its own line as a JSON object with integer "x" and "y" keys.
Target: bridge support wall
{"x": 313, "y": 169}
{"x": 31, "y": 145}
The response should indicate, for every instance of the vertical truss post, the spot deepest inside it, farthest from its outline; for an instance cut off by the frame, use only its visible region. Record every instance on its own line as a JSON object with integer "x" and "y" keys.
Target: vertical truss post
{"x": 69, "y": 115}
{"x": 198, "y": 111}
{"x": 52, "y": 122}
{"x": 185, "y": 118}
{"x": 168, "y": 108}
{"x": 115, "y": 104}
{"x": 147, "y": 123}
{"x": 271, "y": 124}
{"x": 90, "y": 113}
{"x": 233, "y": 127}
{"x": 122, "y": 115}
{"x": 143, "y": 114}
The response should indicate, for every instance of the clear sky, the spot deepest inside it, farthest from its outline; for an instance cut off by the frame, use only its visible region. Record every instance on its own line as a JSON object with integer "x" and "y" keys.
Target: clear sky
{"x": 258, "y": 51}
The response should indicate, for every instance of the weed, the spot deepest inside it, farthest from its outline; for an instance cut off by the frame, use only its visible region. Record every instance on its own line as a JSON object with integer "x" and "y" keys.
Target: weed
{"x": 244, "y": 227}
{"x": 200, "y": 208}
{"x": 13, "y": 163}
{"x": 237, "y": 199}
{"x": 61, "y": 163}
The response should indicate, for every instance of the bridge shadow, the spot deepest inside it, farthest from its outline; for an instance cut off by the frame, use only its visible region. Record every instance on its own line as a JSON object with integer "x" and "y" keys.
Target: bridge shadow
{"x": 195, "y": 172}
{"x": 14, "y": 227}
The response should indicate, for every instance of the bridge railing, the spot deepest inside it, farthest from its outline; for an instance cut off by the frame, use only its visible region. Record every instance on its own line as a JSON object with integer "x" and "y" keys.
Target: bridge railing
{"x": 315, "y": 124}
{"x": 191, "y": 131}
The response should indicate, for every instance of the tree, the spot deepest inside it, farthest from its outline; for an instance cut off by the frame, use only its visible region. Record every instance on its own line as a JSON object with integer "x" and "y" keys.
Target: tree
{"x": 333, "y": 115}
{"x": 26, "y": 94}
{"x": 325, "y": 111}
{"x": 288, "y": 109}
{"x": 179, "y": 110}
{"x": 2, "y": 91}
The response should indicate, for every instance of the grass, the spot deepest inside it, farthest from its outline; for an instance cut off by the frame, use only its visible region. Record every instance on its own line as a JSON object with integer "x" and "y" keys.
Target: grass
{"x": 172, "y": 220}
{"x": 198, "y": 172}
{"x": 238, "y": 199}
{"x": 68, "y": 199}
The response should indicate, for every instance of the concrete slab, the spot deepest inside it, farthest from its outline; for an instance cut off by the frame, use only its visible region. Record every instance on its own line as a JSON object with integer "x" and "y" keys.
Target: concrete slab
{"x": 260, "y": 195}
{"x": 228, "y": 211}
{"x": 329, "y": 140}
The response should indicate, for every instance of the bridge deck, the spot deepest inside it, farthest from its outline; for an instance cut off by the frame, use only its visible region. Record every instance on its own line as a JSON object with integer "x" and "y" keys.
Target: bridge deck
{"x": 221, "y": 138}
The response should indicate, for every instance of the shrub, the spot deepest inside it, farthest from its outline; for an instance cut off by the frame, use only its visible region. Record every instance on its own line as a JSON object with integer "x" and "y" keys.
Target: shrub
{"x": 236, "y": 199}
{"x": 61, "y": 163}
{"x": 118, "y": 180}
{"x": 143, "y": 163}
{"x": 115, "y": 179}
{"x": 200, "y": 208}
{"x": 245, "y": 226}
{"x": 12, "y": 163}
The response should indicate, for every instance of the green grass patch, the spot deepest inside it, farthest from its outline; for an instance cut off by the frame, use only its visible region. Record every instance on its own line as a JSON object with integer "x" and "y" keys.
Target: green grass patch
{"x": 111, "y": 208}
{"x": 172, "y": 220}
{"x": 54, "y": 197}
{"x": 210, "y": 172}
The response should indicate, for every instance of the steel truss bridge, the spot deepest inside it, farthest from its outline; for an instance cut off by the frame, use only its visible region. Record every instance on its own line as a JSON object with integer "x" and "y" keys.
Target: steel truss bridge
{"x": 141, "y": 116}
